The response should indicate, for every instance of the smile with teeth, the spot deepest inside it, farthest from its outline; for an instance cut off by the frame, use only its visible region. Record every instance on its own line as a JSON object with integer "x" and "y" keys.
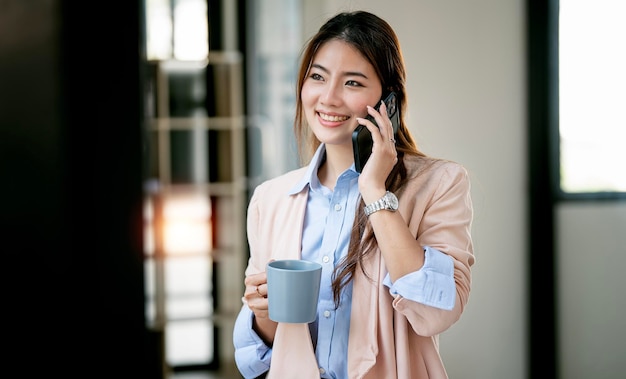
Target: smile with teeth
{"x": 327, "y": 117}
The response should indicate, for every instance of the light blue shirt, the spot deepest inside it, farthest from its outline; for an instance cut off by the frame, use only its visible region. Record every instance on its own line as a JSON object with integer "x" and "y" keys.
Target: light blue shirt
{"x": 327, "y": 226}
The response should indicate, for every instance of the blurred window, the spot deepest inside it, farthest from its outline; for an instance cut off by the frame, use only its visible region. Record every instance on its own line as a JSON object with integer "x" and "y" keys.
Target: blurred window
{"x": 592, "y": 97}
{"x": 177, "y": 29}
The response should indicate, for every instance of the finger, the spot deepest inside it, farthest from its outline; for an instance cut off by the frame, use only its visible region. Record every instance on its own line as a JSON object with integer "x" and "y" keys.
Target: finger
{"x": 383, "y": 108}
{"x": 256, "y": 286}
{"x": 382, "y": 120}
{"x": 256, "y": 279}
{"x": 261, "y": 290}
{"x": 373, "y": 126}
{"x": 259, "y": 306}
{"x": 387, "y": 121}
{"x": 373, "y": 129}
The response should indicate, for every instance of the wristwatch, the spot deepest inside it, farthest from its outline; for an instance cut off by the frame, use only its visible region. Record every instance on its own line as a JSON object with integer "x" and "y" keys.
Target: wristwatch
{"x": 389, "y": 202}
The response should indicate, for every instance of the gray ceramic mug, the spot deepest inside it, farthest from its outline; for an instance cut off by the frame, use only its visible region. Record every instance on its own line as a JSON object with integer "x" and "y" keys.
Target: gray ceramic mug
{"x": 293, "y": 287}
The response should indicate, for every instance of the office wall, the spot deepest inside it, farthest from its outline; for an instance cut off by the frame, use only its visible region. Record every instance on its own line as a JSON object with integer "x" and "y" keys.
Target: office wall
{"x": 466, "y": 87}
{"x": 591, "y": 258}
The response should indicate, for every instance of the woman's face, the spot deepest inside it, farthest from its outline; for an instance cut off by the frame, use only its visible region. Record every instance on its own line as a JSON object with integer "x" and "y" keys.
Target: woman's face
{"x": 339, "y": 86}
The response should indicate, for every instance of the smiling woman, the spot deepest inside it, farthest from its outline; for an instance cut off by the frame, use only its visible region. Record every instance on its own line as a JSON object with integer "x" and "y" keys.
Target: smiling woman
{"x": 395, "y": 269}
{"x": 592, "y": 82}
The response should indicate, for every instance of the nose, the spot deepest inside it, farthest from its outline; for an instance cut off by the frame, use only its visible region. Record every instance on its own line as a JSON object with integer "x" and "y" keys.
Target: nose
{"x": 331, "y": 95}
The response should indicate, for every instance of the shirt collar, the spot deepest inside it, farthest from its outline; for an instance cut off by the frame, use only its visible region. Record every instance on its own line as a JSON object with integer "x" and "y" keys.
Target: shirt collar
{"x": 310, "y": 176}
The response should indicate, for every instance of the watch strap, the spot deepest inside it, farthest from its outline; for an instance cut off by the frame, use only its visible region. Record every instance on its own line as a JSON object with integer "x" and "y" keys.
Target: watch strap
{"x": 386, "y": 202}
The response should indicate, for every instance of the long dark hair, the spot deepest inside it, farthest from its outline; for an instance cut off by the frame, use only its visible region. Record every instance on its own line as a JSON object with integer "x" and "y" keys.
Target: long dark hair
{"x": 374, "y": 38}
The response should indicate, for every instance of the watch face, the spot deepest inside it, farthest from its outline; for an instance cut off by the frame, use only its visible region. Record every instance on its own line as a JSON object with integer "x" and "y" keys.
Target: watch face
{"x": 389, "y": 201}
{"x": 392, "y": 200}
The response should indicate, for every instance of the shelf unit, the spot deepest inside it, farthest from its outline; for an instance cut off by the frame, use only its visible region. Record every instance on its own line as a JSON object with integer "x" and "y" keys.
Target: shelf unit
{"x": 197, "y": 150}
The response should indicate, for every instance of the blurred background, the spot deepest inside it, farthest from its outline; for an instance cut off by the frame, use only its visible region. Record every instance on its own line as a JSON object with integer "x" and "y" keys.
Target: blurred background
{"x": 133, "y": 134}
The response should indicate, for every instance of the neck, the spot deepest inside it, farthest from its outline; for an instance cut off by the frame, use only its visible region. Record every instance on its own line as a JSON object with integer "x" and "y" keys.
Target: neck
{"x": 338, "y": 159}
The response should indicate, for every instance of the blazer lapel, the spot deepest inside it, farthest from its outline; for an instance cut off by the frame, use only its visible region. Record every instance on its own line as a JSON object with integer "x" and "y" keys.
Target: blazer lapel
{"x": 292, "y": 354}
{"x": 288, "y": 244}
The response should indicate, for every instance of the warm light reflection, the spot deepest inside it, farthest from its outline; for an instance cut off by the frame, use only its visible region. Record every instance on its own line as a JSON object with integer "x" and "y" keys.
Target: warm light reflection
{"x": 187, "y": 224}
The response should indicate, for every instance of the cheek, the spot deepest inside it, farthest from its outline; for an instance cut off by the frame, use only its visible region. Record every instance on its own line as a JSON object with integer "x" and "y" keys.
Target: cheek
{"x": 308, "y": 95}
{"x": 359, "y": 102}
{"x": 360, "y": 106}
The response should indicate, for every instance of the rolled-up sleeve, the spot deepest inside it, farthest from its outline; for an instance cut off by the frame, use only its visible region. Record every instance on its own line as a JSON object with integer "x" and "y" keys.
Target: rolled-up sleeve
{"x": 432, "y": 285}
{"x": 252, "y": 356}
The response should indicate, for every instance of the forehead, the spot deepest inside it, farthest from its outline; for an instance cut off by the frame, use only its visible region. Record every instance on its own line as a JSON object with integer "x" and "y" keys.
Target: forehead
{"x": 338, "y": 55}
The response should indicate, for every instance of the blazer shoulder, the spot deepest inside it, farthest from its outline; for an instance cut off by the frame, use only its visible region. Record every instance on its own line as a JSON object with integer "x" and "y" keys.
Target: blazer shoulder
{"x": 281, "y": 184}
{"x": 428, "y": 166}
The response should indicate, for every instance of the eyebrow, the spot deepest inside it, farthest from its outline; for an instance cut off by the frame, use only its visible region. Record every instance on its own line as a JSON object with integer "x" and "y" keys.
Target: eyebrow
{"x": 347, "y": 73}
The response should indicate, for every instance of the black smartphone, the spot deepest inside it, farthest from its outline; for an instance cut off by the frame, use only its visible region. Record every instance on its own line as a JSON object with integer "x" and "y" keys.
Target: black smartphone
{"x": 362, "y": 138}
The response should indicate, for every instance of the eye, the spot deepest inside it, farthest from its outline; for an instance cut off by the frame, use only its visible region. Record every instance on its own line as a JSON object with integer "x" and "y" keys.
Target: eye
{"x": 353, "y": 83}
{"x": 316, "y": 76}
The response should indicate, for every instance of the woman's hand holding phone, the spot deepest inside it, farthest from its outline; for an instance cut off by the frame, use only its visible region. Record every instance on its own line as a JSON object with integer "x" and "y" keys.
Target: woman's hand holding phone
{"x": 362, "y": 141}
{"x": 379, "y": 142}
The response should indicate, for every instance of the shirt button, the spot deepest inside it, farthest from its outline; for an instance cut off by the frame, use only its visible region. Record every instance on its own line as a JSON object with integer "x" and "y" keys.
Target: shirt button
{"x": 322, "y": 371}
{"x": 325, "y": 259}
{"x": 337, "y": 207}
{"x": 327, "y": 314}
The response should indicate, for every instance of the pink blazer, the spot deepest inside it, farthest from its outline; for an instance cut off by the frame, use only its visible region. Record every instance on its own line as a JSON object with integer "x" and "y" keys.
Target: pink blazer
{"x": 389, "y": 337}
